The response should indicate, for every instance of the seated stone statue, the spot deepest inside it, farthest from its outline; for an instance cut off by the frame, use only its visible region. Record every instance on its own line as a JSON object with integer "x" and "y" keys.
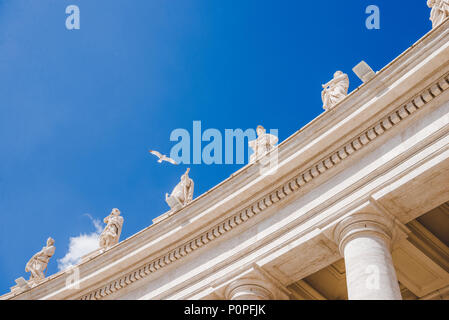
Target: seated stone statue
{"x": 111, "y": 233}
{"x": 335, "y": 90}
{"x": 182, "y": 194}
{"x": 440, "y": 11}
{"x": 39, "y": 262}
{"x": 264, "y": 143}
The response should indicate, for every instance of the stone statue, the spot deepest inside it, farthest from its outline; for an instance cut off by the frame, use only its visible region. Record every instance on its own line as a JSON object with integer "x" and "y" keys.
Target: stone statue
{"x": 264, "y": 143}
{"x": 335, "y": 90}
{"x": 440, "y": 11}
{"x": 39, "y": 262}
{"x": 111, "y": 233}
{"x": 182, "y": 194}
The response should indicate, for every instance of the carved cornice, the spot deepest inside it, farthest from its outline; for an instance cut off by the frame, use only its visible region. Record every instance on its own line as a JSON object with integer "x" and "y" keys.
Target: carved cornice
{"x": 292, "y": 186}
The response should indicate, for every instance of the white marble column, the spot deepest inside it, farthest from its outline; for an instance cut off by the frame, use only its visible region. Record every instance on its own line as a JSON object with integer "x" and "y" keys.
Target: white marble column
{"x": 248, "y": 289}
{"x": 365, "y": 242}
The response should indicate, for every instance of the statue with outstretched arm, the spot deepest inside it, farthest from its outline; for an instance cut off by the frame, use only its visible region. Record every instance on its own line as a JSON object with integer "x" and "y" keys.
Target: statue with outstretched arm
{"x": 38, "y": 263}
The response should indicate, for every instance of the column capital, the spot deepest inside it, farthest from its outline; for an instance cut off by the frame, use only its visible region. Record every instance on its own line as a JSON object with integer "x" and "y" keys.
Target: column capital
{"x": 360, "y": 224}
{"x": 248, "y": 289}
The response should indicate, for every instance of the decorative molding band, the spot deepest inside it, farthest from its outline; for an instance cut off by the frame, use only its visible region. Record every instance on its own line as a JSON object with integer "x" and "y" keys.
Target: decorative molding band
{"x": 287, "y": 189}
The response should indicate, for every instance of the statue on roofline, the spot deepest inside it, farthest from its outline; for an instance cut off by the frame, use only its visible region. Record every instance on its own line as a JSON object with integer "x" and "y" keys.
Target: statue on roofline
{"x": 182, "y": 194}
{"x": 263, "y": 144}
{"x": 38, "y": 263}
{"x": 335, "y": 90}
{"x": 111, "y": 233}
{"x": 440, "y": 11}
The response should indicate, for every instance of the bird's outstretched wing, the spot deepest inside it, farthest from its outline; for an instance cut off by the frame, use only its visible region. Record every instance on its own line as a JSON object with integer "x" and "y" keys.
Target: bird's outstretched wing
{"x": 157, "y": 154}
{"x": 163, "y": 157}
{"x": 171, "y": 160}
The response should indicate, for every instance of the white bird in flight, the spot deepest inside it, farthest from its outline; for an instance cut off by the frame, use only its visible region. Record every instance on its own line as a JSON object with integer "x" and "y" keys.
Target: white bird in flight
{"x": 163, "y": 157}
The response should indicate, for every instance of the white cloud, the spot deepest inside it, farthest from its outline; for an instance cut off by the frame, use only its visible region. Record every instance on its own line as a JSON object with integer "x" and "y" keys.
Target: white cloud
{"x": 81, "y": 245}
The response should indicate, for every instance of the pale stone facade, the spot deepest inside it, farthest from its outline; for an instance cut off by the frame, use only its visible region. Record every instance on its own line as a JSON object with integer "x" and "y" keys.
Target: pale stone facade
{"x": 358, "y": 209}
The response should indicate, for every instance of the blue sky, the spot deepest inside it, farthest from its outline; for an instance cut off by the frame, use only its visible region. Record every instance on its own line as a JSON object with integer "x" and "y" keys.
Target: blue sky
{"x": 79, "y": 109}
